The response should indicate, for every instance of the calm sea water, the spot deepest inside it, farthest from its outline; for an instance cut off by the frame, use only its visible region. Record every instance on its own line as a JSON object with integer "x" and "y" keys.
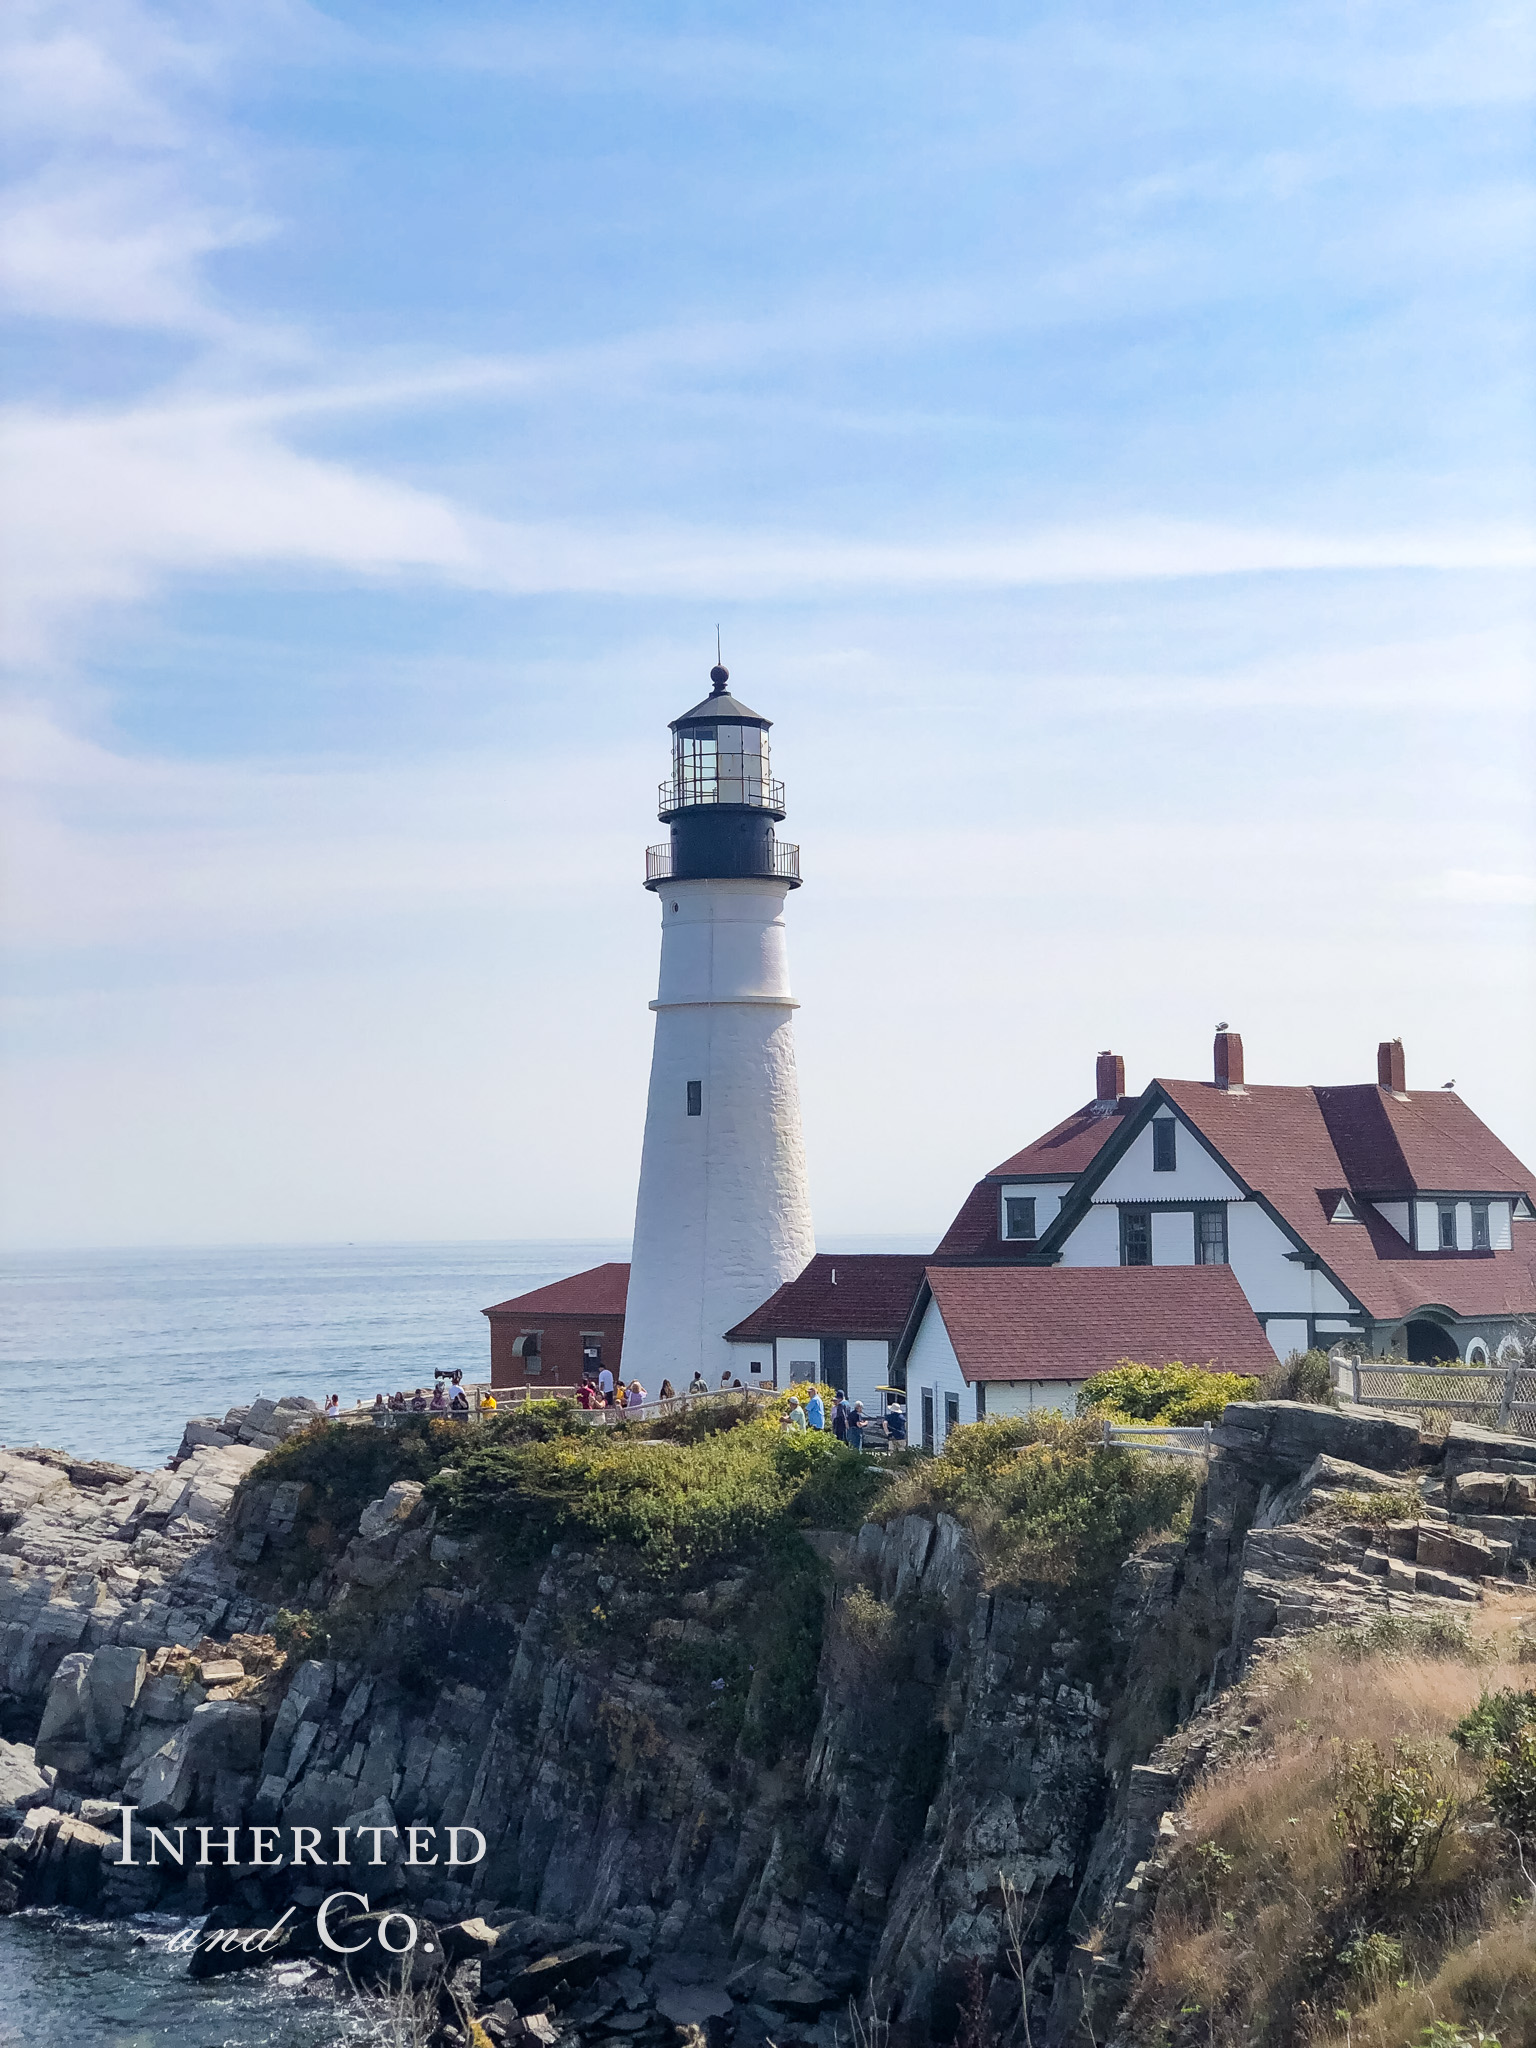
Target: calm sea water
{"x": 108, "y": 1353}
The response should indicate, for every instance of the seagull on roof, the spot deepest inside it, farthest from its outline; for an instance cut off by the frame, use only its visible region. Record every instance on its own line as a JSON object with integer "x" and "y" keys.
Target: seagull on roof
{"x": 1449, "y": 1084}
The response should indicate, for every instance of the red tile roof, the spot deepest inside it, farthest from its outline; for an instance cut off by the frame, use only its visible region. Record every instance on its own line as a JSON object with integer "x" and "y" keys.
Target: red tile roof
{"x": 1067, "y": 1322}
{"x": 1299, "y": 1147}
{"x": 1063, "y": 1153}
{"x": 872, "y": 1296}
{"x": 600, "y": 1291}
{"x": 1072, "y": 1144}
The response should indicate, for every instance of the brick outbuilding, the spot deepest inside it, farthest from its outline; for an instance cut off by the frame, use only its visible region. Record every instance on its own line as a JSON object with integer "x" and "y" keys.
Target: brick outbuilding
{"x": 546, "y": 1338}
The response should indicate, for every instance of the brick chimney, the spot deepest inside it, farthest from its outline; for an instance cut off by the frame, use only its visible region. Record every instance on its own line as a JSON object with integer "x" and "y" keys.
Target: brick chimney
{"x": 1390, "y": 1070}
{"x": 1109, "y": 1077}
{"x": 1229, "y": 1058}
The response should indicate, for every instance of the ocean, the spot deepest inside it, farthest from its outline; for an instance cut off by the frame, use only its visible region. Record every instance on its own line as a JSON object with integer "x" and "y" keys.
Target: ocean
{"x": 106, "y": 1353}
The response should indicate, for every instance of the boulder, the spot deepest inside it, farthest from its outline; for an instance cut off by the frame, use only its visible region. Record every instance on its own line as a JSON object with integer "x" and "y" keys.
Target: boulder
{"x": 1479, "y": 1493}
{"x": 388, "y": 1516}
{"x": 88, "y": 1707}
{"x": 22, "y": 1783}
{"x": 218, "y": 1748}
{"x": 467, "y": 1938}
{"x": 1463, "y": 1551}
{"x": 558, "y": 1976}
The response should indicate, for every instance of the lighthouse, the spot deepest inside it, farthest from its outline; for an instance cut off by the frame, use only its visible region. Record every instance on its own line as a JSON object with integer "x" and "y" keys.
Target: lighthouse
{"x": 723, "y": 1215}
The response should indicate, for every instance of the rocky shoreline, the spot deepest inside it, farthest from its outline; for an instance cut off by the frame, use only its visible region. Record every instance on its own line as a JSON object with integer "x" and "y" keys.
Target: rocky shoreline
{"x": 974, "y": 1746}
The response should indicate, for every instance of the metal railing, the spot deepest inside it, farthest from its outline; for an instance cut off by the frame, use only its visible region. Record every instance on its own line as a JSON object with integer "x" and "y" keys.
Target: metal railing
{"x": 783, "y": 862}
{"x": 684, "y": 792}
{"x": 1169, "y": 1440}
{"x": 1492, "y": 1396}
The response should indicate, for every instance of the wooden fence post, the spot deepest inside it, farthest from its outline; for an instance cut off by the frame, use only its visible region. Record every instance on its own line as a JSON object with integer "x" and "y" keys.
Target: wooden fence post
{"x": 1354, "y": 1380}
{"x": 1508, "y": 1402}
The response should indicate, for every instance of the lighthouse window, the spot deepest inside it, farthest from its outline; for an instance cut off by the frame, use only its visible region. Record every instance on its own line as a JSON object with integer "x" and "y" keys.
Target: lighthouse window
{"x": 695, "y": 1098}
{"x": 1019, "y": 1216}
{"x": 1163, "y": 1142}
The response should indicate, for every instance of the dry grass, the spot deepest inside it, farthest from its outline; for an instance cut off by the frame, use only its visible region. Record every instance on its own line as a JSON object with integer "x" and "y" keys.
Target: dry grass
{"x": 1256, "y": 1937}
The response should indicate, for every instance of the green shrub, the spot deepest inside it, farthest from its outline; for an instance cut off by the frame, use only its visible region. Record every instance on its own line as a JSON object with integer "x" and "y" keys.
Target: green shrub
{"x": 1375, "y": 1959}
{"x": 1045, "y": 1498}
{"x": 1391, "y": 1816}
{"x": 1301, "y": 1376}
{"x": 670, "y": 1504}
{"x": 1494, "y": 1722}
{"x": 1404, "y": 1635}
{"x": 1511, "y": 1785}
{"x": 301, "y": 1635}
{"x": 1376, "y": 1510}
{"x": 1174, "y": 1395}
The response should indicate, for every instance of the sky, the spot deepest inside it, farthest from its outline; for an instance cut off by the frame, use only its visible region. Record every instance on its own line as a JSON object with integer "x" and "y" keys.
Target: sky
{"x": 1102, "y": 433}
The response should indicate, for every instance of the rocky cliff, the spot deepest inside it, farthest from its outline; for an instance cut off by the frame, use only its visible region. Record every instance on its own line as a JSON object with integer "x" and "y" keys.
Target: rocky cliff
{"x": 965, "y": 1786}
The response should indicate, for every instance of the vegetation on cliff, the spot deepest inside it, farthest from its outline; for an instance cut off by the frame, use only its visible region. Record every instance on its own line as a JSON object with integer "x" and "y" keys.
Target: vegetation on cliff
{"x": 1045, "y": 1498}
{"x": 1363, "y": 1878}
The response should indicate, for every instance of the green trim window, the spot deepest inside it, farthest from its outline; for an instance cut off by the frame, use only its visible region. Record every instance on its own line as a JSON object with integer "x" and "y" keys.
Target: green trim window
{"x": 1135, "y": 1237}
{"x": 1018, "y": 1215}
{"x": 1164, "y": 1144}
{"x": 1480, "y": 1239}
{"x": 1211, "y": 1236}
{"x": 1447, "y": 1226}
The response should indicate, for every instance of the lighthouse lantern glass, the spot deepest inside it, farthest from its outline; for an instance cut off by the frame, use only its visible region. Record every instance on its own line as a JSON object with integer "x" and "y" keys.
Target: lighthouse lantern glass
{"x": 721, "y": 764}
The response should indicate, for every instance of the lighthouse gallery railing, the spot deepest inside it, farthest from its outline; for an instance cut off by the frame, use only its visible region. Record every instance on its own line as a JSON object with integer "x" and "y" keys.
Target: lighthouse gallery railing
{"x": 783, "y": 859}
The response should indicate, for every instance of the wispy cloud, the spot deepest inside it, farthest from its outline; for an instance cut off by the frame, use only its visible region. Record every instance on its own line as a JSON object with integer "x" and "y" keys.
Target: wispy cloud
{"x": 111, "y": 507}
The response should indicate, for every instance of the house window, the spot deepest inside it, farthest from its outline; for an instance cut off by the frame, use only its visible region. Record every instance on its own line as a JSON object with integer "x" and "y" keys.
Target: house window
{"x": 927, "y": 1418}
{"x": 1164, "y": 1145}
{"x": 1135, "y": 1237}
{"x": 1211, "y": 1237}
{"x": 981, "y": 1400}
{"x": 1447, "y": 1226}
{"x": 756, "y": 1365}
{"x": 1018, "y": 1216}
{"x": 527, "y": 1349}
{"x": 1479, "y": 1226}
{"x": 695, "y": 1098}
{"x": 951, "y": 1412}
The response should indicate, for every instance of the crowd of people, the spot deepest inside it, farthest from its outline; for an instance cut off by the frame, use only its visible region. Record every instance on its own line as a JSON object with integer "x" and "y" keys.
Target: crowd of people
{"x": 605, "y": 1392}
{"x": 447, "y": 1396}
{"x": 848, "y": 1421}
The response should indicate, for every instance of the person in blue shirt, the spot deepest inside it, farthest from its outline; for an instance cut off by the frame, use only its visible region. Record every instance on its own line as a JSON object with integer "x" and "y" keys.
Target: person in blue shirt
{"x": 896, "y": 1423}
{"x": 815, "y": 1412}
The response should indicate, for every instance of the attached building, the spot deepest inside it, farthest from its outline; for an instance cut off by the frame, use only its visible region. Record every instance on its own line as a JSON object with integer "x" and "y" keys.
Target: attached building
{"x": 838, "y": 1322}
{"x": 549, "y": 1337}
{"x": 1008, "y": 1339}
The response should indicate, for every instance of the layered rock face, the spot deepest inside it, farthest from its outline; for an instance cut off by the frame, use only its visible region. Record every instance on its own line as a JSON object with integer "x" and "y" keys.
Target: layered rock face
{"x": 978, "y": 1790}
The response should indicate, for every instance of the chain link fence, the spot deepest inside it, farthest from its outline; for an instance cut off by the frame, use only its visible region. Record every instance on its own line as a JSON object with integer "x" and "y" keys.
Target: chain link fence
{"x": 1493, "y": 1397}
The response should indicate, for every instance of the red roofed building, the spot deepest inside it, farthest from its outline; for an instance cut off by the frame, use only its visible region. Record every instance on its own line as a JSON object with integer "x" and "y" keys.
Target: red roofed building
{"x": 1008, "y": 1339}
{"x": 546, "y": 1338}
{"x": 1364, "y": 1210}
{"x": 837, "y": 1321}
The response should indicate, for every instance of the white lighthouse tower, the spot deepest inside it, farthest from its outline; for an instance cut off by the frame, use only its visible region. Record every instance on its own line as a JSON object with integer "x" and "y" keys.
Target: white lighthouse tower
{"x": 724, "y": 1213}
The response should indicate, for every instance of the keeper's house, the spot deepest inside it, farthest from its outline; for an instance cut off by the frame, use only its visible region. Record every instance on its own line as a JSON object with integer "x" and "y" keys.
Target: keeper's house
{"x": 1367, "y": 1211}
{"x": 548, "y": 1338}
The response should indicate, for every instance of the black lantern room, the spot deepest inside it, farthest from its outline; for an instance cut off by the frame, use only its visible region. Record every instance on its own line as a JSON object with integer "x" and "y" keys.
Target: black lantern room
{"x": 720, "y": 800}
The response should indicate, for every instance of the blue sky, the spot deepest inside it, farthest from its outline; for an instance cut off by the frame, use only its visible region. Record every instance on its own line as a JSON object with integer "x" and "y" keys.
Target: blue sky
{"x": 1102, "y": 432}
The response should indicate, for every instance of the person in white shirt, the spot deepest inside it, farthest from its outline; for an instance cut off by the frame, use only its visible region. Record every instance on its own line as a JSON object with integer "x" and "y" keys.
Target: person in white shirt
{"x": 605, "y": 1386}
